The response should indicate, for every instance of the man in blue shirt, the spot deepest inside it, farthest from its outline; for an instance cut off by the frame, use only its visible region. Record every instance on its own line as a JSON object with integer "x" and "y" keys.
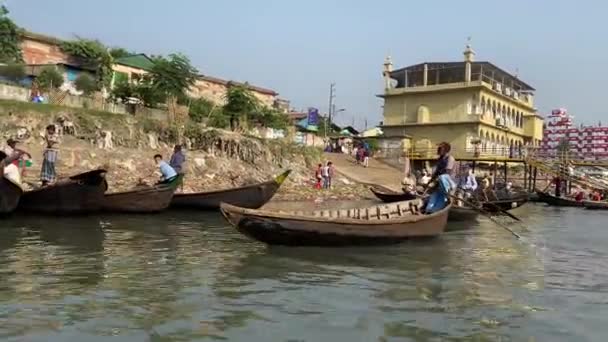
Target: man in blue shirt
{"x": 168, "y": 173}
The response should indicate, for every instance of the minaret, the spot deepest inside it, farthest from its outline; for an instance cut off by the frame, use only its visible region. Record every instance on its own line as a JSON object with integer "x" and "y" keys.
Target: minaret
{"x": 469, "y": 57}
{"x": 388, "y": 68}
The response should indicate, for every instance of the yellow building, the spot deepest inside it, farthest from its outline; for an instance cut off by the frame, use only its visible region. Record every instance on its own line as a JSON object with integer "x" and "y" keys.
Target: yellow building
{"x": 475, "y": 106}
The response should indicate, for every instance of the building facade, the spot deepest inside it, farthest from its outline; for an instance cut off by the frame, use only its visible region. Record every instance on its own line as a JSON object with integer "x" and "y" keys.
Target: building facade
{"x": 38, "y": 49}
{"x": 582, "y": 142}
{"x": 475, "y": 106}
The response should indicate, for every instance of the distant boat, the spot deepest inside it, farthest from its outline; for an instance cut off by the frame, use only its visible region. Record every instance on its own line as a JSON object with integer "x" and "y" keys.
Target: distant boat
{"x": 143, "y": 200}
{"x": 595, "y": 205}
{"x": 557, "y": 201}
{"x": 390, "y": 196}
{"x": 82, "y": 193}
{"x": 250, "y": 196}
{"x": 377, "y": 225}
{"x": 10, "y": 193}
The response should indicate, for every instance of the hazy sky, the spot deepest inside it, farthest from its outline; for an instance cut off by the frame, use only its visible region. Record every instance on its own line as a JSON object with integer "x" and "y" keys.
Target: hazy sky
{"x": 299, "y": 47}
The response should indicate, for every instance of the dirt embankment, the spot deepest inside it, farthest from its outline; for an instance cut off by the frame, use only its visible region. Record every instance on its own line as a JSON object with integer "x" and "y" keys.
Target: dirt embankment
{"x": 125, "y": 146}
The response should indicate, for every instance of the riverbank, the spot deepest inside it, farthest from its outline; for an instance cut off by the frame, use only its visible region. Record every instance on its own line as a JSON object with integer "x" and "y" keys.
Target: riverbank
{"x": 125, "y": 145}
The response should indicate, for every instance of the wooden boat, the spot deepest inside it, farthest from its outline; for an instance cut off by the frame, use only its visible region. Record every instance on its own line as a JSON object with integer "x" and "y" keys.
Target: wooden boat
{"x": 389, "y": 196}
{"x": 595, "y": 205}
{"x": 81, "y": 193}
{"x": 143, "y": 200}
{"x": 462, "y": 214}
{"x": 380, "y": 224}
{"x": 250, "y": 196}
{"x": 558, "y": 201}
{"x": 10, "y": 193}
{"x": 504, "y": 204}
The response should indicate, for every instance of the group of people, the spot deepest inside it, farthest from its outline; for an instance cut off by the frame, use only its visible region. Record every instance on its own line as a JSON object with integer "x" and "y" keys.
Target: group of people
{"x": 324, "y": 175}
{"x": 14, "y": 160}
{"x": 443, "y": 177}
{"x": 362, "y": 154}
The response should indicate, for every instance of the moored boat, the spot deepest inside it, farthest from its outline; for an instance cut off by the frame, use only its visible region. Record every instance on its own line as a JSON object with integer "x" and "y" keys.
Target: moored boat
{"x": 143, "y": 200}
{"x": 380, "y": 224}
{"x": 558, "y": 201}
{"x": 82, "y": 193}
{"x": 504, "y": 204}
{"x": 10, "y": 193}
{"x": 462, "y": 214}
{"x": 389, "y": 196}
{"x": 595, "y": 205}
{"x": 250, "y": 196}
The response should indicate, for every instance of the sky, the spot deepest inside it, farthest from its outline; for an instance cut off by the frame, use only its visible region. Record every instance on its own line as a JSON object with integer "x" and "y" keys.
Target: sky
{"x": 298, "y": 48}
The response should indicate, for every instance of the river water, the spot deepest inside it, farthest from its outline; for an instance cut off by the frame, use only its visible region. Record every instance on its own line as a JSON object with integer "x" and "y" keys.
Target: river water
{"x": 188, "y": 276}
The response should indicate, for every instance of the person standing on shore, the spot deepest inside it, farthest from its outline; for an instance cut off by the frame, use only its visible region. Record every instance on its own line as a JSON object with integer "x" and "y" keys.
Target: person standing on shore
{"x": 318, "y": 176}
{"x": 48, "y": 174}
{"x": 177, "y": 159}
{"x": 325, "y": 175}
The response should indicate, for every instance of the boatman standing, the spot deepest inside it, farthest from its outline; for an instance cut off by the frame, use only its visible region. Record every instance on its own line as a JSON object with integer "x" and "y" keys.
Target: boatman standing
{"x": 442, "y": 176}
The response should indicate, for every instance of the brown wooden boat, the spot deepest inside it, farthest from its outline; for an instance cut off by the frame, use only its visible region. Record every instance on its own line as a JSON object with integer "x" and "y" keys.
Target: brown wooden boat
{"x": 10, "y": 193}
{"x": 505, "y": 204}
{"x": 82, "y": 193}
{"x": 462, "y": 214}
{"x": 558, "y": 201}
{"x": 250, "y": 196}
{"x": 380, "y": 224}
{"x": 143, "y": 200}
{"x": 390, "y": 196}
{"x": 595, "y": 205}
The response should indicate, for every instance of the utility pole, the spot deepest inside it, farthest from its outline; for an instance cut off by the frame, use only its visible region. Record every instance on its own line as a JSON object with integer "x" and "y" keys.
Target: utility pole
{"x": 332, "y": 95}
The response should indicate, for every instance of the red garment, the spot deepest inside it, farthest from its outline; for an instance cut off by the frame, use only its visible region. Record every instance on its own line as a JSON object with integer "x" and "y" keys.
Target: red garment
{"x": 597, "y": 197}
{"x": 579, "y": 196}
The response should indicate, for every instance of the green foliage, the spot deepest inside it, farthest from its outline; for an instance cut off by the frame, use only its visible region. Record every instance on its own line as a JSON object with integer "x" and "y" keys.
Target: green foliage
{"x": 173, "y": 75}
{"x": 272, "y": 118}
{"x": 13, "y": 72}
{"x": 92, "y": 52}
{"x": 85, "y": 83}
{"x": 200, "y": 109}
{"x": 118, "y": 52}
{"x": 372, "y": 143}
{"x": 10, "y": 49}
{"x": 240, "y": 103}
{"x": 49, "y": 78}
{"x": 144, "y": 91}
{"x": 219, "y": 119}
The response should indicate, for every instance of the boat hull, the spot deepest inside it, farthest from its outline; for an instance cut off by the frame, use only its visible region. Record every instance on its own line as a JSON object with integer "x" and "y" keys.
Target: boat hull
{"x": 504, "y": 204}
{"x": 462, "y": 214}
{"x": 82, "y": 193}
{"x": 151, "y": 200}
{"x": 558, "y": 201}
{"x": 391, "y": 197}
{"x": 595, "y": 205}
{"x": 297, "y": 230}
{"x": 10, "y": 194}
{"x": 251, "y": 197}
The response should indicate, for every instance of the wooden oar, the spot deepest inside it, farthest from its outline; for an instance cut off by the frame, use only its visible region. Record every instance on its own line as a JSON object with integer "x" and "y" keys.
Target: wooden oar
{"x": 499, "y": 209}
{"x": 485, "y": 213}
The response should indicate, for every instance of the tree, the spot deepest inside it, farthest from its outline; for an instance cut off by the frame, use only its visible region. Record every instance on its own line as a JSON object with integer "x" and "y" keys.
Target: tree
{"x": 173, "y": 75}
{"x": 85, "y": 83}
{"x": 240, "y": 103}
{"x": 13, "y": 72}
{"x": 49, "y": 78}
{"x": 10, "y": 39}
{"x": 119, "y": 52}
{"x": 272, "y": 118}
{"x": 92, "y": 52}
{"x": 124, "y": 91}
{"x": 201, "y": 109}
